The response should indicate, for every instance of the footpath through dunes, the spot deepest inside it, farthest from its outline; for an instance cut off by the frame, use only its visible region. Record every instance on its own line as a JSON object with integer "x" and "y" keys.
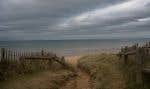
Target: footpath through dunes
{"x": 104, "y": 70}
{"x": 82, "y": 81}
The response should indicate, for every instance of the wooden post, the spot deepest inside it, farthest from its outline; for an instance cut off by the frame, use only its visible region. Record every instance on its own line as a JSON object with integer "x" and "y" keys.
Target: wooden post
{"x": 15, "y": 55}
{"x": 139, "y": 66}
{"x": 125, "y": 55}
{"x": 42, "y": 52}
{"x": 125, "y": 58}
{"x": 2, "y": 54}
{"x": 11, "y": 55}
{"x": 6, "y": 53}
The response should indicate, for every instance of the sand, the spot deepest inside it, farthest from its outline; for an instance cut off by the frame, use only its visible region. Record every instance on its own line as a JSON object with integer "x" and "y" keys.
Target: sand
{"x": 82, "y": 81}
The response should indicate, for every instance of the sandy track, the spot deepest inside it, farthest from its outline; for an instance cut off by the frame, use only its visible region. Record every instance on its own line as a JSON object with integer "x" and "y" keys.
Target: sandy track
{"x": 72, "y": 60}
{"x": 82, "y": 81}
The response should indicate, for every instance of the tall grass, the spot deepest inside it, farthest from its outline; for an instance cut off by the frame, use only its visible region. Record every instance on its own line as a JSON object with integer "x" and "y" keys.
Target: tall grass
{"x": 34, "y": 74}
{"x": 42, "y": 80}
{"x": 108, "y": 72}
{"x": 103, "y": 70}
{"x": 17, "y": 68}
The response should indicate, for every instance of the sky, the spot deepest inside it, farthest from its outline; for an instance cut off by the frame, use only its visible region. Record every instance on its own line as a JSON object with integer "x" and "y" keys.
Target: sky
{"x": 74, "y": 19}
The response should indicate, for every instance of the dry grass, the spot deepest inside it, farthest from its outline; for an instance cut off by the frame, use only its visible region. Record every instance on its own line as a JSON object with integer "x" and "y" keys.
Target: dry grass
{"x": 42, "y": 80}
{"x": 9, "y": 69}
{"x": 104, "y": 70}
{"x": 37, "y": 74}
{"x": 108, "y": 72}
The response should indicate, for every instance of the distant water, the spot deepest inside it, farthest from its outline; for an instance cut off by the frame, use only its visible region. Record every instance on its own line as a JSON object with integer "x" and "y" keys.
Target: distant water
{"x": 73, "y": 47}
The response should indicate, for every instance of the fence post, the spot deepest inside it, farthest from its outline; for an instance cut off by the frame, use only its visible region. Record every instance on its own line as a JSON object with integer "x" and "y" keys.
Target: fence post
{"x": 125, "y": 58}
{"x": 2, "y": 54}
{"x": 139, "y": 66}
{"x": 125, "y": 55}
{"x": 42, "y": 52}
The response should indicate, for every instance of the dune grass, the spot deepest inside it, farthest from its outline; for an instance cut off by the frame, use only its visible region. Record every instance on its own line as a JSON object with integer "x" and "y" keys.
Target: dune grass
{"x": 35, "y": 74}
{"x": 103, "y": 70}
{"x": 108, "y": 72}
{"x": 40, "y": 80}
{"x": 9, "y": 69}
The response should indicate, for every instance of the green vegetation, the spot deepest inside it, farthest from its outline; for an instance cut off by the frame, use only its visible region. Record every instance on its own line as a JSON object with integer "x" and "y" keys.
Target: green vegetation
{"x": 108, "y": 72}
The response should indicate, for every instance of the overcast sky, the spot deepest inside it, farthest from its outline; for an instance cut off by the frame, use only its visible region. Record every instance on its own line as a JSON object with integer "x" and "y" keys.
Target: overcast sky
{"x": 74, "y": 19}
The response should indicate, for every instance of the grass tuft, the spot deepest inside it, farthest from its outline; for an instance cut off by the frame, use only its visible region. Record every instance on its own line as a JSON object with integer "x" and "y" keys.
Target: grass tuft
{"x": 108, "y": 72}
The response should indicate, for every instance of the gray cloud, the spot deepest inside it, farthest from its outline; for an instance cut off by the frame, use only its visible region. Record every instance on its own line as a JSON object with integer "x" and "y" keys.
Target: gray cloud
{"x": 63, "y": 19}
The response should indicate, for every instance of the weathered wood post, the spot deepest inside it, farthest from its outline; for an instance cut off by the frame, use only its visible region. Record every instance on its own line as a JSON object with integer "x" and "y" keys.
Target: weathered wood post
{"x": 6, "y": 53}
{"x": 11, "y": 55}
{"x": 125, "y": 58}
{"x": 42, "y": 52}
{"x": 2, "y": 54}
{"x": 139, "y": 66}
{"x": 125, "y": 55}
{"x": 14, "y": 55}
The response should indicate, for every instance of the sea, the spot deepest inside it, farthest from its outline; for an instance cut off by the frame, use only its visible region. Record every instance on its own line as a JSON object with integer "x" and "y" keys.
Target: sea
{"x": 73, "y": 47}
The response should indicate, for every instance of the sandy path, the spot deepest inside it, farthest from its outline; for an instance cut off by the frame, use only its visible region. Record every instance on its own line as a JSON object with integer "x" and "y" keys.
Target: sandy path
{"x": 72, "y": 60}
{"x": 82, "y": 81}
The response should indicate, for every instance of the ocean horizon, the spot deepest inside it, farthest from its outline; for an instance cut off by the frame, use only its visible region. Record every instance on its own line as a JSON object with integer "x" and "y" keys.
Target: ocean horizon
{"x": 73, "y": 47}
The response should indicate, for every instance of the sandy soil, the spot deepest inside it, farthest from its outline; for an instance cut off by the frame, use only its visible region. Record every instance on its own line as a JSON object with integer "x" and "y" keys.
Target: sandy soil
{"x": 82, "y": 81}
{"x": 72, "y": 59}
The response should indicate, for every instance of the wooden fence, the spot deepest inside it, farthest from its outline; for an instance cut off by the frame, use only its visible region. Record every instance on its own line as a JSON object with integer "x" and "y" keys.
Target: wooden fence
{"x": 8, "y": 54}
{"x": 141, "y": 56}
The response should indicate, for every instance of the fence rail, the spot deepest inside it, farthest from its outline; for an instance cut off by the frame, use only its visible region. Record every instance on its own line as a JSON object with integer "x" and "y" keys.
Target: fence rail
{"x": 8, "y": 54}
{"x": 15, "y": 54}
{"x": 141, "y": 55}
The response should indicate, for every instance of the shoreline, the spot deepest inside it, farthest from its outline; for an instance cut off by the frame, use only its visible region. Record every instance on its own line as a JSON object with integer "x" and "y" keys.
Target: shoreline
{"x": 90, "y": 52}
